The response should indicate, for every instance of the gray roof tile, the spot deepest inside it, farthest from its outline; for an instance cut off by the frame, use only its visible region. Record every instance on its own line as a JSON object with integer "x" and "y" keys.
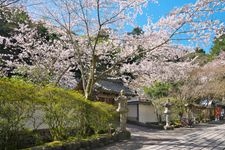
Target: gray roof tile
{"x": 114, "y": 86}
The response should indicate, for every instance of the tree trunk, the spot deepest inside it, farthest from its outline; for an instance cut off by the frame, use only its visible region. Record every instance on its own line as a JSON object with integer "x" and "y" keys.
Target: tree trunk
{"x": 91, "y": 81}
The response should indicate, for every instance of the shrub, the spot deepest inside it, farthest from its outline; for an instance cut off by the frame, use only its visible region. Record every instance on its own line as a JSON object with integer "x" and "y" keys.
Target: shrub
{"x": 177, "y": 107}
{"x": 15, "y": 99}
{"x": 65, "y": 112}
{"x": 68, "y": 113}
{"x": 101, "y": 114}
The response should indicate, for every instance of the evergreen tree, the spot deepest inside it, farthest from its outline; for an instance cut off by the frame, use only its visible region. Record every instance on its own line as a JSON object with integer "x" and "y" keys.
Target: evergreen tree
{"x": 218, "y": 46}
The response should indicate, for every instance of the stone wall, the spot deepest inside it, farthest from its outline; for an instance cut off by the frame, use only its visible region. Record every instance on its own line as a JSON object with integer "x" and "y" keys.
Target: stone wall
{"x": 85, "y": 144}
{"x": 36, "y": 137}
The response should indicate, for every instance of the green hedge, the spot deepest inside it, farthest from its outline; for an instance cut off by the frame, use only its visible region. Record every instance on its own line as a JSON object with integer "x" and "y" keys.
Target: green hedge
{"x": 65, "y": 112}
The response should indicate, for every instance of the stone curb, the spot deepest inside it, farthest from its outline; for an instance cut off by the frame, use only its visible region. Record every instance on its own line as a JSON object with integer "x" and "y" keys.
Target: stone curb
{"x": 86, "y": 145}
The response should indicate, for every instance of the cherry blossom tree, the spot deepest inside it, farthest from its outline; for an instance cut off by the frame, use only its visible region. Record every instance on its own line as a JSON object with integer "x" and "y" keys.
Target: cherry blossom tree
{"x": 4, "y": 3}
{"x": 48, "y": 60}
{"x": 44, "y": 61}
{"x": 206, "y": 81}
{"x": 163, "y": 67}
{"x": 42, "y": 56}
{"x": 84, "y": 20}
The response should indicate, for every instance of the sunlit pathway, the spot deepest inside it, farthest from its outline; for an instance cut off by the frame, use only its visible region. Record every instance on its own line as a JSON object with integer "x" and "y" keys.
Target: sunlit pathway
{"x": 205, "y": 139}
{"x": 199, "y": 138}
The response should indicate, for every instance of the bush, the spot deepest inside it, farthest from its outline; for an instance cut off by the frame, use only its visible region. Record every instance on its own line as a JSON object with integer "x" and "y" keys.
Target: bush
{"x": 65, "y": 112}
{"x": 177, "y": 107}
{"x": 15, "y": 99}
{"x": 101, "y": 114}
{"x": 68, "y": 113}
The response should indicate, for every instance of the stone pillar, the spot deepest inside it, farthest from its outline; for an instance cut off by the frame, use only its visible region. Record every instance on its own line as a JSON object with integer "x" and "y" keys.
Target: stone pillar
{"x": 122, "y": 109}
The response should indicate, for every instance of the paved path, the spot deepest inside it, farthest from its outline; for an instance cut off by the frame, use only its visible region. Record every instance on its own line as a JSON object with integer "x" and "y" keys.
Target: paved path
{"x": 205, "y": 137}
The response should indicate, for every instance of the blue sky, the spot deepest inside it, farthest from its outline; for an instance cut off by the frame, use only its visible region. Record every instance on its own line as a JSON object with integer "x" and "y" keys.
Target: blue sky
{"x": 156, "y": 11}
{"x": 162, "y": 8}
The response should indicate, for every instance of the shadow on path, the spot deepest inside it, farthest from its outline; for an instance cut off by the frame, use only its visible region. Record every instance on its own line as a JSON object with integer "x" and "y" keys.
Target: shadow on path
{"x": 197, "y": 137}
{"x": 136, "y": 142}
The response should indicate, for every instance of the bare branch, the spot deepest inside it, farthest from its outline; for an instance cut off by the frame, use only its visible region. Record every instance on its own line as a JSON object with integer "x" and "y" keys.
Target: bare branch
{"x": 4, "y": 3}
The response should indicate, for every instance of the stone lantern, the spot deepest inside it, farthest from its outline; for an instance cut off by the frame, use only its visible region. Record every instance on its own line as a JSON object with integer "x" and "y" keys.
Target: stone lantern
{"x": 167, "y": 113}
{"x": 188, "y": 108}
{"x": 122, "y": 110}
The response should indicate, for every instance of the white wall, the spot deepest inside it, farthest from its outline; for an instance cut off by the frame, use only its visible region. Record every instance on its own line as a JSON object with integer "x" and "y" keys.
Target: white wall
{"x": 133, "y": 99}
{"x": 146, "y": 113}
{"x": 37, "y": 121}
{"x": 132, "y": 112}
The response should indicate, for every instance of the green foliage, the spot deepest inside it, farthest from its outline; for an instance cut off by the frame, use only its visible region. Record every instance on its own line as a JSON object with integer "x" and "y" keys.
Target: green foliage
{"x": 65, "y": 112}
{"x": 15, "y": 99}
{"x": 198, "y": 57}
{"x": 68, "y": 111}
{"x": 136, "y": 31}
{"x": 36, "y": 75}
{"x": 101, "y": 116}
{"x": 10, "y": 19}
{"x": 159, "y": 93}
{"x": 176, "y": 108}
{"x": 158, "y": 90}
{"x": 43, "y": 32}
{"x": 199, "y": 50}
{"x": 218, "y": 46}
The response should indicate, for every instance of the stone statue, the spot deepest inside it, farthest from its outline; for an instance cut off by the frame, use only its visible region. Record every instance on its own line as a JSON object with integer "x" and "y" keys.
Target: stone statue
{"x": 122, "y": 109}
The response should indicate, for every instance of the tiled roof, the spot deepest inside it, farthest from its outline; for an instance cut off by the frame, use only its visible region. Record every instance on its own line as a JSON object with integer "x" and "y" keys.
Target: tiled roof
{"x": 112, "y": 85}
{"x": 210, "y": 103}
